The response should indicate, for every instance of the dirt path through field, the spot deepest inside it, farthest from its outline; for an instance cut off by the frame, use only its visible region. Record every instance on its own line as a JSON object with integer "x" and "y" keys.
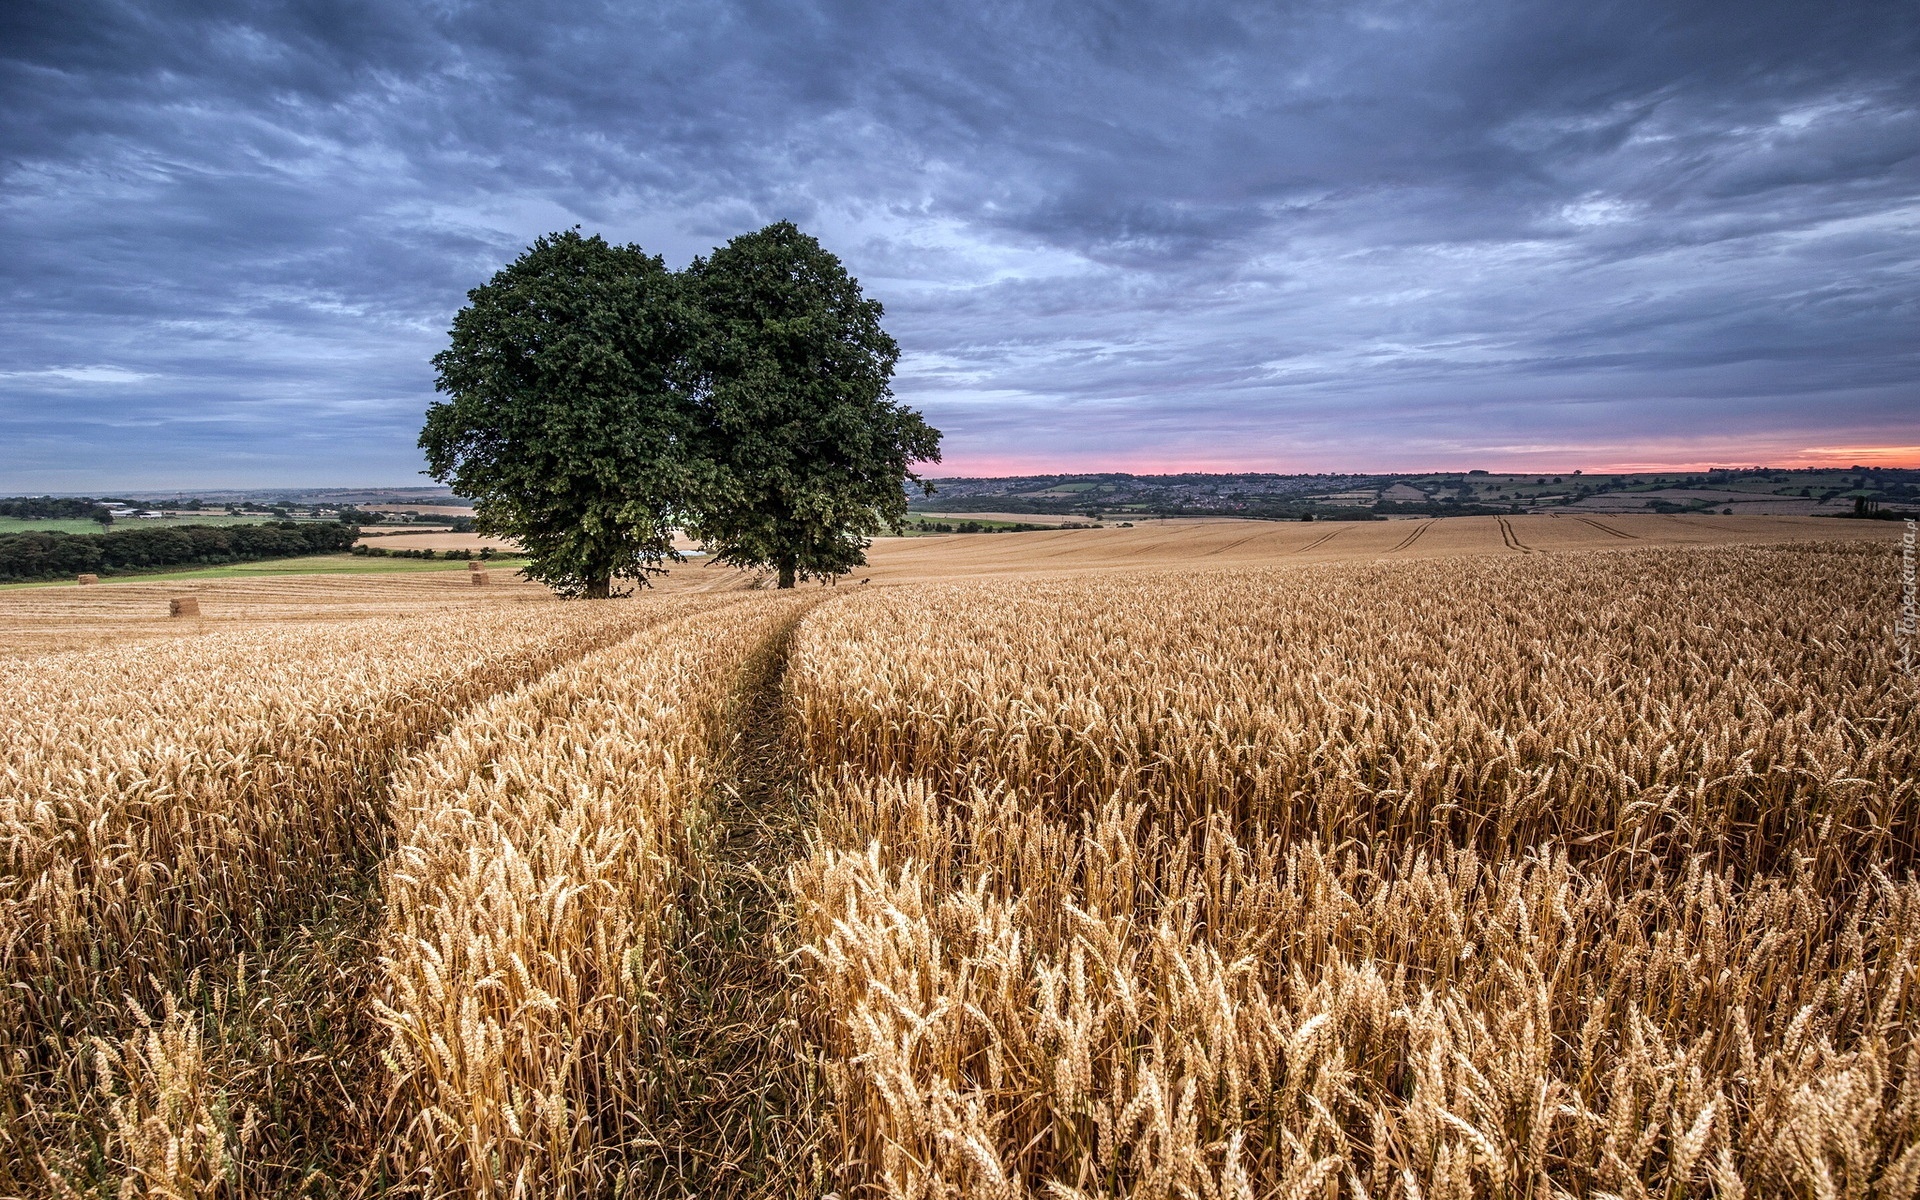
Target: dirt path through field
{"x": 741, "y": 1126}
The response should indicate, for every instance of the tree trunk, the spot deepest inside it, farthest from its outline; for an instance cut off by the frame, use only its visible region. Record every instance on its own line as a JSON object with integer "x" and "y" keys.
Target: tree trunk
{"x": 786, "y": 572}
{"x": 600, "y": 588}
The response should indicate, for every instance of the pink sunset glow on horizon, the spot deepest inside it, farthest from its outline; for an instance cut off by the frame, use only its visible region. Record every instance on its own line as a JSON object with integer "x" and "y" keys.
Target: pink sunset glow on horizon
{"x": 1560, "y": 462}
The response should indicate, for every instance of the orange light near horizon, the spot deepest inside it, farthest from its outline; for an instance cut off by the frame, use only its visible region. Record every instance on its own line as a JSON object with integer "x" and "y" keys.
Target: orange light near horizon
{"x": 1828, "y": 457}
{"x": 1832, "y": 458}
{"x": 1847, "y": 456}
{"x": 1000, "y": 468}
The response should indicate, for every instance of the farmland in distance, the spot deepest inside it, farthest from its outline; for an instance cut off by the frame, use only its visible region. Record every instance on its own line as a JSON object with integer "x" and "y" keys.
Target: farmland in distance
{"x": 1518, "y": 856}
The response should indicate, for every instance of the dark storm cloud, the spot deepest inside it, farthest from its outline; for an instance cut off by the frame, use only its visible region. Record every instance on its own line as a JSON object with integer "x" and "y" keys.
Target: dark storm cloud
{"x": 1311, "y": 235}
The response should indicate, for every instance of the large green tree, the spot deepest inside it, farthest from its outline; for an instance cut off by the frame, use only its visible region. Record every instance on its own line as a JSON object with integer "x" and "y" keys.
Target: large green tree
{"x": 805, "y": 454}
{"x": 563, "y": 421}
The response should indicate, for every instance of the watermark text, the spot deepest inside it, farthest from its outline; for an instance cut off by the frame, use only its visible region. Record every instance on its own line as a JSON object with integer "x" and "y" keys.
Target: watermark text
{"x": 1909, "y": 609}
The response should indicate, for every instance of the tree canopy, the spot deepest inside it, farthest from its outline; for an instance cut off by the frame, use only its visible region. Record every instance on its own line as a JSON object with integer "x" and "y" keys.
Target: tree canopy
{"x": 598, "y": 402}
{"x": 564, "y": 425}
{"x": 806, "y": 451}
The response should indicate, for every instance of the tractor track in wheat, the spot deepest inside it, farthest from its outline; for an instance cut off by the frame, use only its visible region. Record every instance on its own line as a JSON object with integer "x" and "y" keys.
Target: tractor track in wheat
{"x": 1408, "y": 541}
{"x": 744, "y": 1081}
{"x": 1320, "y": 541}
{"x": 1511, "y": 538}
{"x": 1608, "y": 529}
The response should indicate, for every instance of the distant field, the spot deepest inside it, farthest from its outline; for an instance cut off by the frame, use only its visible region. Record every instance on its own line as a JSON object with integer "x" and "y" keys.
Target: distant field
{"x": 1116, "y": 495}
{"x": 37, "y": 617}
{"x": 1207, "y": 542}
{"x": 1001, "y": 517}
{"x": 336, "y": 564}
{"x": 431, "y": 510}
{"x": 1179, "y": 544}
{"x": 314, "y": 564}
{"x": 432, "y": 540}
{"x": 32, "y": 525}
{"x": 930, "y": 524}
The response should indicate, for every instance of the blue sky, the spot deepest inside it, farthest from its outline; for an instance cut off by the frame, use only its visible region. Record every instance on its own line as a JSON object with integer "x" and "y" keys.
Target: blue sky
{"x": 1279, "y": 236}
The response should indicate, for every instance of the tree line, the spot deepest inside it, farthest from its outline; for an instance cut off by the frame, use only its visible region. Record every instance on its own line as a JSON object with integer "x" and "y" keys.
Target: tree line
{"x": 33, "y": 556}
{"x": 598, "y": 403}
{"x": 53, "y": 508}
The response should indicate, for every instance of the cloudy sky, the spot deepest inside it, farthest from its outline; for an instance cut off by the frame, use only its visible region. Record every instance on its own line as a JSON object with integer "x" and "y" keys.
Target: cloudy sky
{"x": 1343, "y": 235}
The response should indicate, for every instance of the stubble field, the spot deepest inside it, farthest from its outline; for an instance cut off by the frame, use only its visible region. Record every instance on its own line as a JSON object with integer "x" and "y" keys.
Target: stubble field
{"x": 1576, "y": 866}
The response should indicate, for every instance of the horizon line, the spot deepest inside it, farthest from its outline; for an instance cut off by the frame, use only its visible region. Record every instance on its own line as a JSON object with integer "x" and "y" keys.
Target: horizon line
{"x": 1133, "y": 470}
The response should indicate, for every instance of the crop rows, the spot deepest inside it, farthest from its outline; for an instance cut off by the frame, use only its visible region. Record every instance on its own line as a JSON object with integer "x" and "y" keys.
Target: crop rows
{"x": 1529, "y": 877}
{"x": 167, "y": 811}
{"x": 549, "y": 855}
{"x": 1543, "y": 875}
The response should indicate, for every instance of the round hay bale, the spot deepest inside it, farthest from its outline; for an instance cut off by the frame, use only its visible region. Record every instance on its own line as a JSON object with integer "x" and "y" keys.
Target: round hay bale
{"x": 83, "y": 580}
{"x": 183, "y": 606}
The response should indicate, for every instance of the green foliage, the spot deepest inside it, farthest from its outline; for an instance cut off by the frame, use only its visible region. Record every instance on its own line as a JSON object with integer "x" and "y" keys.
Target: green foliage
{"x": 806, "y": 454}
{"x": 926, "y": 526}
{"x": 598, "y": 401}
{"x": 1448, "y": 507}
{"x": 563, "y": 422}
{"x": 52, "y": 508}
{"x": 28, "y": 556}
{"x": 487, "y": 554}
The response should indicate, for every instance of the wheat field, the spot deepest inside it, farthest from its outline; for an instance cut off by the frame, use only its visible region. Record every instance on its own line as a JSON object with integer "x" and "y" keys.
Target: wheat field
{"x": 38, "y": 618}
{"x": 172, "y": 814}
{"x": 1579, "y": 868}
{"x": 1469, "y": 877}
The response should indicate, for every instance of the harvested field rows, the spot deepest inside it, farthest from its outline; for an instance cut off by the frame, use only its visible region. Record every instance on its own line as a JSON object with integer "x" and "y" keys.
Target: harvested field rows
{"x": 38, "y": 620}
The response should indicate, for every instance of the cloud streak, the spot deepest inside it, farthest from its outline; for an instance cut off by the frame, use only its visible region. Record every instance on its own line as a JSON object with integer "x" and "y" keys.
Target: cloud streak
{"x": 1309, "y": 236}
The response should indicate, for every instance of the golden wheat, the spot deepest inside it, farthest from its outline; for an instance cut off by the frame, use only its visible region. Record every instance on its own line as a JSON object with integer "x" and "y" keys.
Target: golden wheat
{"x": 169, "y": 808}
{"x": 1529, "y": 875}
{"x": 1210, "y": 544}
{"x": 548, "y": 850}
{"x": 1474, "y": 877}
